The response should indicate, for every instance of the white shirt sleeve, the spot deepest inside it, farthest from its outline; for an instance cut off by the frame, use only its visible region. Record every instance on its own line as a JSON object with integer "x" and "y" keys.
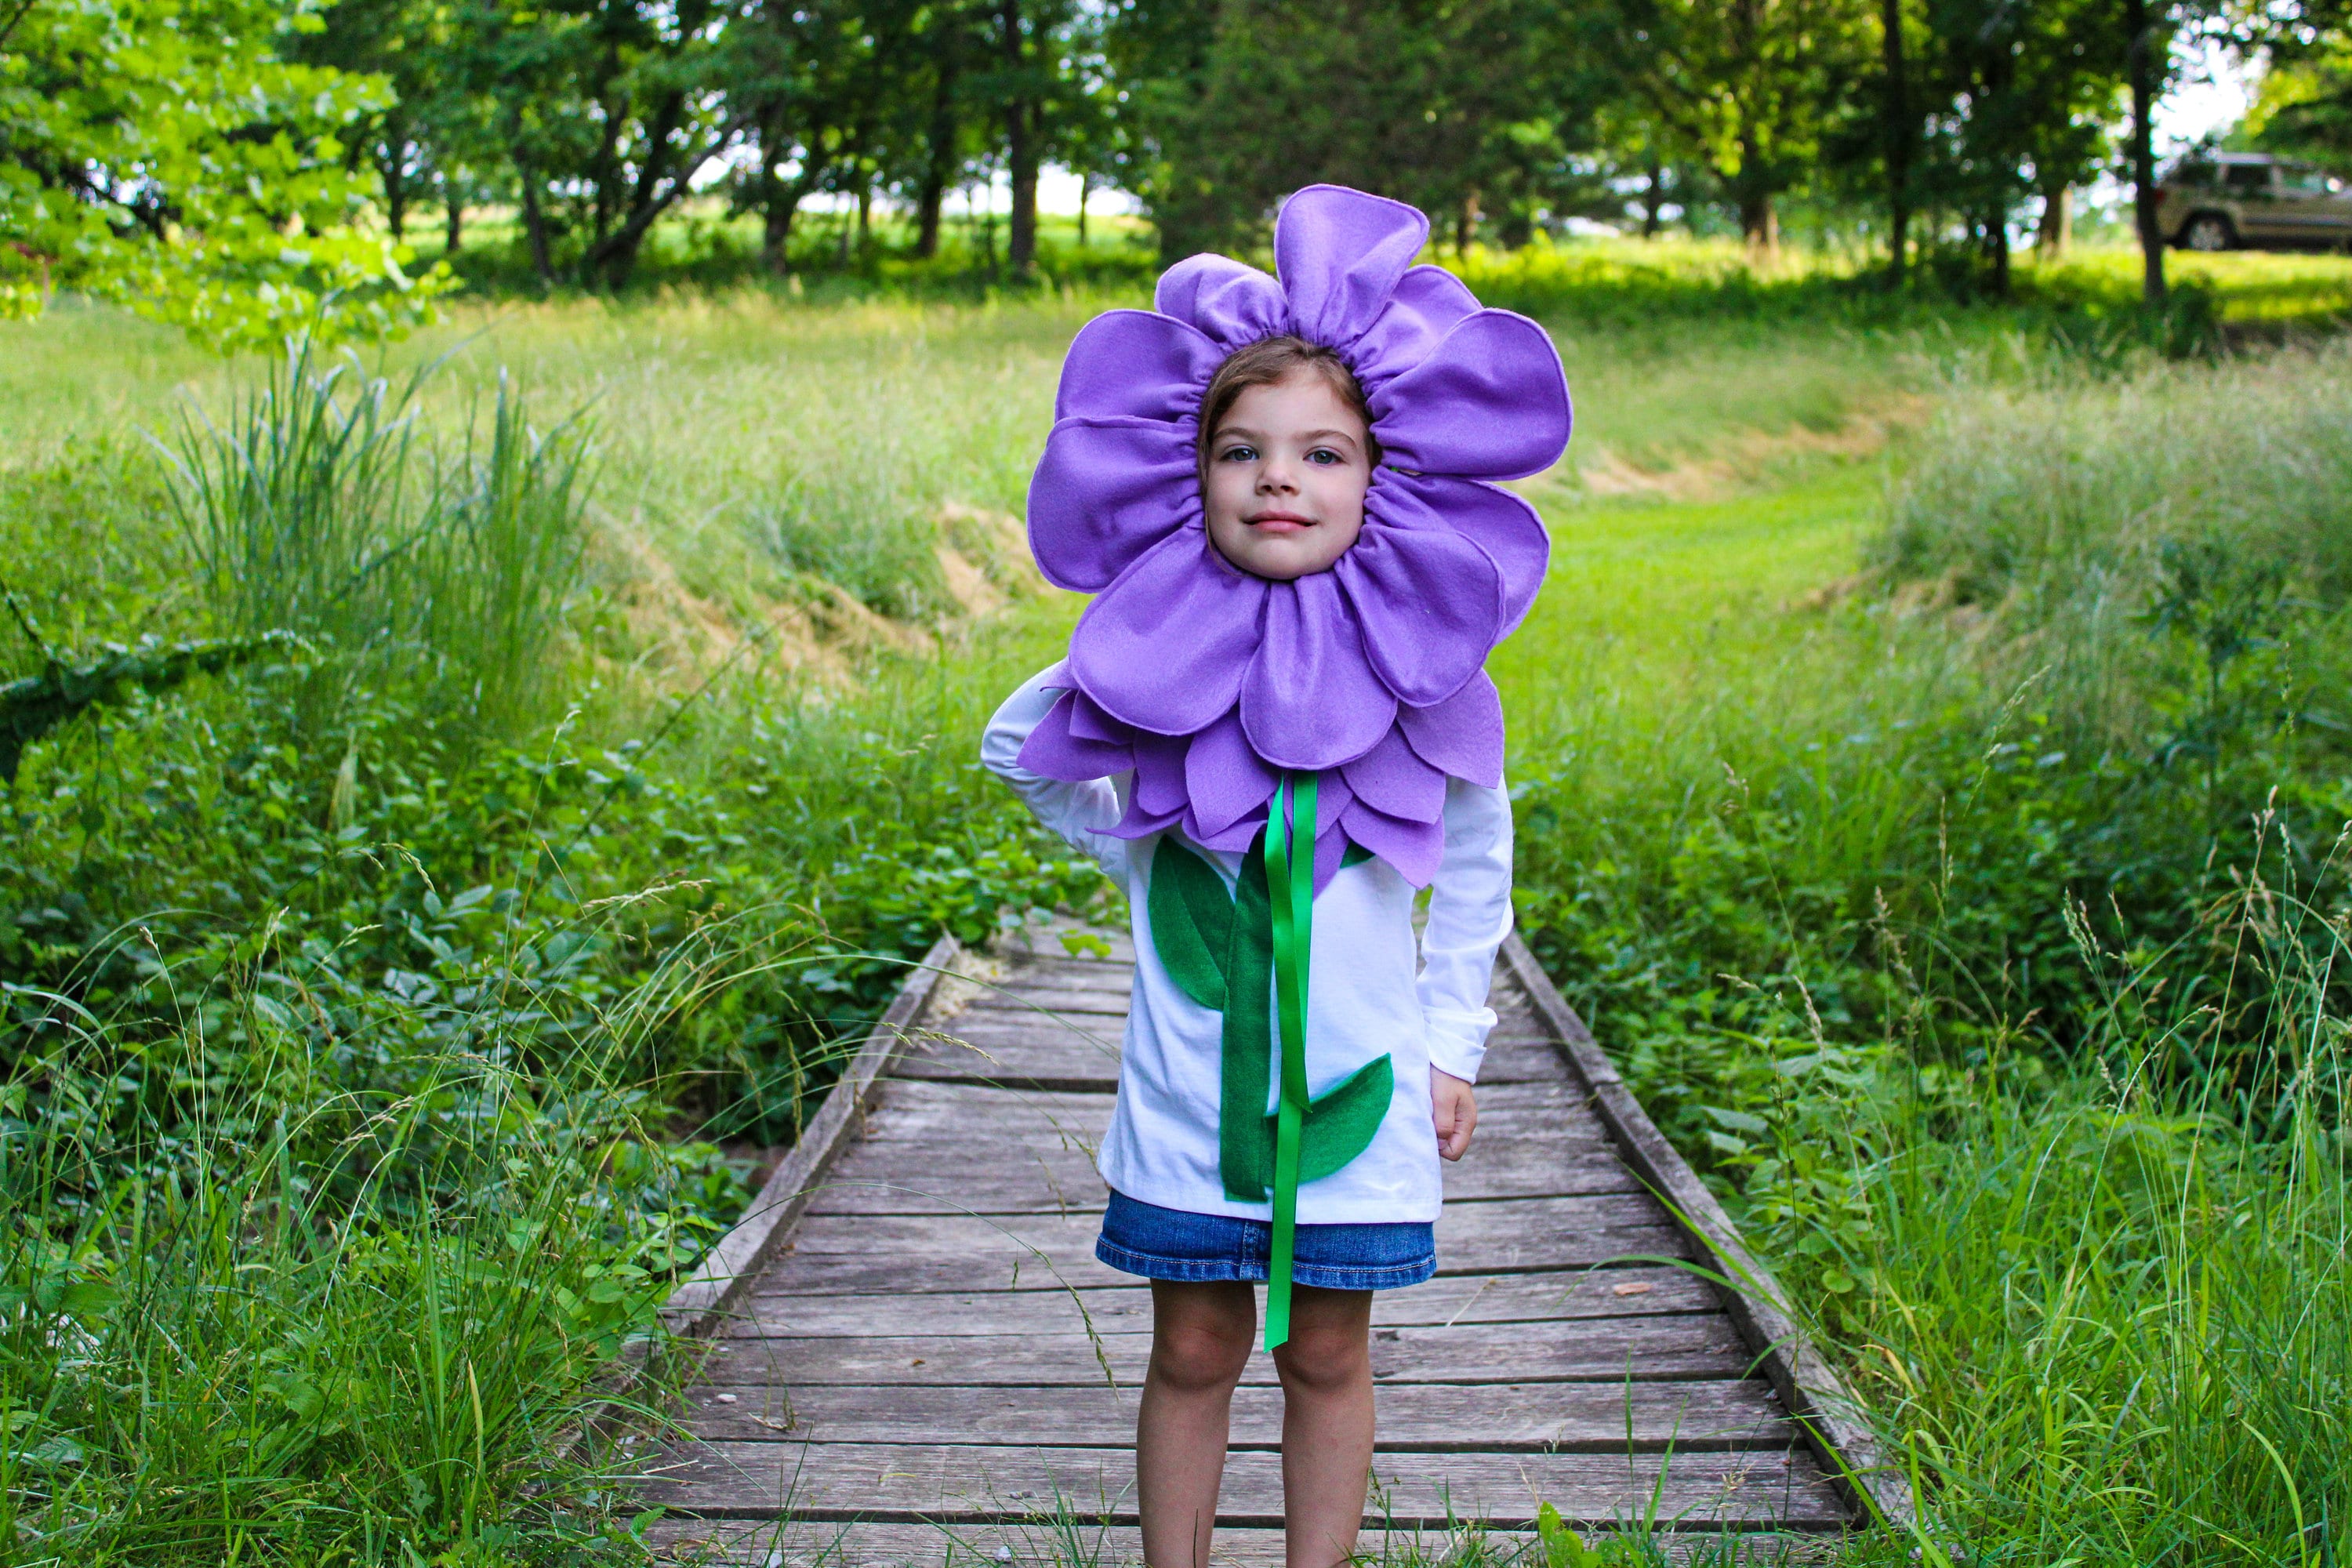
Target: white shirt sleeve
{"x": 1083, "y": 814}
{"x": 1469, "y": 916}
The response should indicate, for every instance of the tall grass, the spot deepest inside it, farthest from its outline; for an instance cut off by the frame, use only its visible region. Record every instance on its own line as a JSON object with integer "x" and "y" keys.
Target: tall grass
{"x": 435, "y": 570}
{"x": 324, "y": 1271}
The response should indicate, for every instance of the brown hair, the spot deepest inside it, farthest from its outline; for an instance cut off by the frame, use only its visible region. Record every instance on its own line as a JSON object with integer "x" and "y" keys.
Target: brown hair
{"x": 1270, "y": 359}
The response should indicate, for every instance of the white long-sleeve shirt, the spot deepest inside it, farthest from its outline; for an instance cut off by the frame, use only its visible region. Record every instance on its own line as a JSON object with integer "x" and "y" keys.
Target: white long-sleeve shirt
{"x": 1366, "y": 994}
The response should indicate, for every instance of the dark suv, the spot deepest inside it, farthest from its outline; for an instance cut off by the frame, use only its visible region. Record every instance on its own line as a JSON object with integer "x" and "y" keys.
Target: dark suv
{"x": 2221, "y": 200}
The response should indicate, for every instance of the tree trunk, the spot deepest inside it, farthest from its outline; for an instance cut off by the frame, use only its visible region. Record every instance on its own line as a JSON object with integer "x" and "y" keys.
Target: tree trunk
{"x": 1086, "y": 183}
{"x": 865, "y": 213}
{"x": 934, "y": 193}
{"x": 1760, "y": 223}
{"x": 776, "y": 227}
{"x": 2055, "y": 236}
{"x": 452, "y": 217}
{"x": 1020, "y": 147}
{"x": 535, "y": 225}
{"x": 1996, "y": 253}
{"x": 2142, "y": 142}
{"x": 1898, "y": 129}
{"x": 1653, "y": 197}
{"x": 394, "y": 169}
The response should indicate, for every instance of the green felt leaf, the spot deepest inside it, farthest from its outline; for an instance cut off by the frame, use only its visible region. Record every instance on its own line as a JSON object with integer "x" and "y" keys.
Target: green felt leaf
{"x": 1341, "y": 1122}
{"x": 1354, "y": 854}
{"x": 1191, "y": 923}
{"x": 1244, "y": 1146}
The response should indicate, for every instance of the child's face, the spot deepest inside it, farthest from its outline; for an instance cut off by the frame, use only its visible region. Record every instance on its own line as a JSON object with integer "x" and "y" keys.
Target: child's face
{"x": 1287, "y": 469}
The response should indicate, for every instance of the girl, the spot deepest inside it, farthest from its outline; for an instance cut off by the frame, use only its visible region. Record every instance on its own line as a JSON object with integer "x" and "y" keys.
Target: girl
{"x": 1274, "y": 726}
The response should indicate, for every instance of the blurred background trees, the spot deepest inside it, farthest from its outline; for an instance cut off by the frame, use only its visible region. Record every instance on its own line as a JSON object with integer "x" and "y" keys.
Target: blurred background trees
{"x": 1948, "y": 132}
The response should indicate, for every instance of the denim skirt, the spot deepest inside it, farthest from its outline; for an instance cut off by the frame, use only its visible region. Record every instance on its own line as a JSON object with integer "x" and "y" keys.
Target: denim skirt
{"x": 1175, "y": 1244}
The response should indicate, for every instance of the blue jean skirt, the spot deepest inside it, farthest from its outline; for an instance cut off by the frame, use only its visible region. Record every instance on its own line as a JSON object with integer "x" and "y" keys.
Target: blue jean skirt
{"x": 1175, "y": 1244}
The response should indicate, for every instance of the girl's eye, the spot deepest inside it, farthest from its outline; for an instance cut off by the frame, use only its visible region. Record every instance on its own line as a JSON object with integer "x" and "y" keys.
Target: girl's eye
{"x": 1238, "y": 454}
{"x": 1325, "y": 456}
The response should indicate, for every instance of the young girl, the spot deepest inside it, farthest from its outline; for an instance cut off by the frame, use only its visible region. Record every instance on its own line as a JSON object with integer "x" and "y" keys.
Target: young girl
{"x": 1274, "y": 726}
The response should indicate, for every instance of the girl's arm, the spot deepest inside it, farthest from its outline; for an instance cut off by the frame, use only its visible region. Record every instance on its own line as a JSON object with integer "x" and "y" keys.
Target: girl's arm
{"x": 1469, "y": 916}
{"x": 1083, "y": 814}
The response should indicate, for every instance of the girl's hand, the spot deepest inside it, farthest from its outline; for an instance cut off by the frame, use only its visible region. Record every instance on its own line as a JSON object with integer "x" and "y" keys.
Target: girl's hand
{"x": 1457, "y": 1111}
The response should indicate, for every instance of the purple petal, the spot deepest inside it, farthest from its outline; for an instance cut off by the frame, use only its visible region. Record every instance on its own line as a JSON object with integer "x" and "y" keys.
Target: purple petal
{"x": 1234, "y": 835}
{"x": 1414, "y": 848}
{"x": 1430, "y": 603}
{"x": 1135, "y": 363}
{"x": 1166, "y": 647}
{"x": 1088, "y": 722}
{"x": 1139, "y": 823}
{"x": 1310, "y": 699}
{"x": 1160, "y": 774}
{"x": 1394, "y": 781}
{"x": 1339, "y": 254}
{"x": 1053, "y": 750}
{"x": 1234, "y": 303}
{"x": 1500, "y": 523}
{"x": 1225, "y": 777}
{"x": 1463, "y": 735}
{"x": 1106, "y": 491}
{"x": 1490, "y": 402}
{"x": 1427, "y": 303}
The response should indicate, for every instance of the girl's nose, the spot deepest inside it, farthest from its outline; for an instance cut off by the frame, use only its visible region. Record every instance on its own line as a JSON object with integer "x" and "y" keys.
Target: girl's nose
{"x": 1276, "y": 476}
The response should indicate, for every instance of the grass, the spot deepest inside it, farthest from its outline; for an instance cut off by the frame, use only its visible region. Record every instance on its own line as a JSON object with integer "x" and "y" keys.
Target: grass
{"x": 2006, "y": 1022}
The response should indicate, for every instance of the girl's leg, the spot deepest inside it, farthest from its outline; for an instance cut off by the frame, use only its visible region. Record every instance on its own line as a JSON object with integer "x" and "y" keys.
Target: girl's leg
{"x": 1326, "y": 1424}
{"x": 1201, "y": 1338}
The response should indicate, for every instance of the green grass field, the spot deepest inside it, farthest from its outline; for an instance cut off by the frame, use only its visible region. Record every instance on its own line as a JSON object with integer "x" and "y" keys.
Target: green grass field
{"x": 1930, "y": 799}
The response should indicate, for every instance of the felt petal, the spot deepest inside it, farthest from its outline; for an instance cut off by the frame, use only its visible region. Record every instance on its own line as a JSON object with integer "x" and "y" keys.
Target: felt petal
{"x": 1430, "y": 603}
{"x": 1428, "y": 301}
{"x": 1310, "y": 699}
{"x": 1414, "y": 848}
{"x": 1462, "y": 735}
{"x": 1226, "y": 779}
{"x": 1339, "y": 254}
{"x": 1135, "y": 363}
{"x": 1393, "y": 780}
{"x": 1500, "y": 523}
{"x": 1106, "y": 491}
{"x": 1140, "y": 824}
{"x": 1236, "y": 836}
{"x": 1160, "y": 774}
{"x": 1167, "y": 647}
{"x": 1053, "y": 750}
{"x": 1232, "y": 302}
{"x": 1089, "y": 722}
{"x": 1490, "y": 402}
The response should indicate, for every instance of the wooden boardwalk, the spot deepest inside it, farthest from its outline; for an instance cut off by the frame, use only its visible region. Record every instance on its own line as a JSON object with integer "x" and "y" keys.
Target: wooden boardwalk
{"x": 918, "y": 1357}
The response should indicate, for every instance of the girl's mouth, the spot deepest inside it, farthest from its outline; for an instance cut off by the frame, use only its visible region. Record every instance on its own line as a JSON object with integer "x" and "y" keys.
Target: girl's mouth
{"x": 1278, "y": 521}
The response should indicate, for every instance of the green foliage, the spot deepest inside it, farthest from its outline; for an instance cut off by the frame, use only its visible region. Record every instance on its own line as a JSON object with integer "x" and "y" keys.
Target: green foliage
{"x": 31, "y": 708}
{"x": 168, "y": 156}
{"x": 441, "y": 578}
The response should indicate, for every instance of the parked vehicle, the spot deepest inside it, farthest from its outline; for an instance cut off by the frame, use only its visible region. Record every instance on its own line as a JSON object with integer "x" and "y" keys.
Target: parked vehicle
{"x": 2226, "y": 201}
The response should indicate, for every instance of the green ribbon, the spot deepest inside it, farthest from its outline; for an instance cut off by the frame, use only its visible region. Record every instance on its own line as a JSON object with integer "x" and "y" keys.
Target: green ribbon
{"x": 1290, "y": 888}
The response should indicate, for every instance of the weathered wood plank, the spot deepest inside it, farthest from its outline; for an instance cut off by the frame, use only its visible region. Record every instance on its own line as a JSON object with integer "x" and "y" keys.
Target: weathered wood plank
{"x": 1126, "y": 1308}
{"x": 1591, "y": 1349}
{"x": 965, "y": 1481}
{"x": 1044, "y": 1173}
{"x": 767, "y": 1544}
{"x": 1717, "y": 1414}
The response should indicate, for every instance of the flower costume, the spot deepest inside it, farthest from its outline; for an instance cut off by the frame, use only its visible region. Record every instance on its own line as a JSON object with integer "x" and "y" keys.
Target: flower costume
{"x": 1270, "y": 768}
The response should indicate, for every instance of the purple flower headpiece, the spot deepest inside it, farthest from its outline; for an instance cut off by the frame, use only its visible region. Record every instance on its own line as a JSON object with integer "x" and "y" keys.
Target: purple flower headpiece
{"x": 1208, "y": 681}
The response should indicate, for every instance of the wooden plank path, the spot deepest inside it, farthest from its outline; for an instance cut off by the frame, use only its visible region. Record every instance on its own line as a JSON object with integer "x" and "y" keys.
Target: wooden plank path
{"x": 916, "y": 1357}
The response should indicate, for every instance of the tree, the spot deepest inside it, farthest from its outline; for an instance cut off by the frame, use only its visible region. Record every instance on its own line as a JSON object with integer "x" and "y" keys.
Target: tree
{"x": 1747, "y": 84}
{"x": 1443, "y": 103}
{"x": 171, "y": 155}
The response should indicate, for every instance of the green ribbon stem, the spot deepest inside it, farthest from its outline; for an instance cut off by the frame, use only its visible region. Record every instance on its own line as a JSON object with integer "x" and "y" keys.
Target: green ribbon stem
{"x": 1290, "y": 886}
